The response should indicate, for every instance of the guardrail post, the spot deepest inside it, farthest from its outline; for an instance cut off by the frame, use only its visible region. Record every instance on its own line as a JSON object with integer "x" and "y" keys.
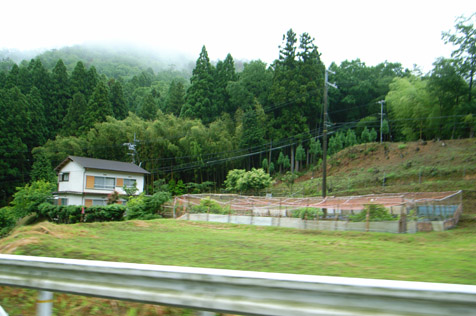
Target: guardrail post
{"x": 44, "y": 304}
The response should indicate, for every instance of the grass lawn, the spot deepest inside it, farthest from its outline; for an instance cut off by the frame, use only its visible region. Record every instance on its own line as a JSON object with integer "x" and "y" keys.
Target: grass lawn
{"x": 448, "y": 257}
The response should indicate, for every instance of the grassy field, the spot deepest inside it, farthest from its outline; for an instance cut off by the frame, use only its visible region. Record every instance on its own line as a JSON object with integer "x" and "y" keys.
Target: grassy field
{"x": 447, "y": 257}
{"x": 435, "y": 257}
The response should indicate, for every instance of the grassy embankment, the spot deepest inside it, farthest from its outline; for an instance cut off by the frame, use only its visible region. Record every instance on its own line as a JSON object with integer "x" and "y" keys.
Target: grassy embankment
{"x": 448, "y": 257}
{"x": 395, "y": 167}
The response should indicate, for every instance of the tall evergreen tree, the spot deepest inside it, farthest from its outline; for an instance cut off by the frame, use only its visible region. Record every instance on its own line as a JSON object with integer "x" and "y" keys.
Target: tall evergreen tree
{"x": 311, "y": 79}
{"x": 79, "y": 80}
{"x": 60, "y": 99}
{"x": 200, "y": 97}
{"x": 297, "y": 84}
{"x": 99, "y": 106}
{"x": 252, "y": 134}
{"x": 42, "y": 169}
{"x": 300, "y": 156}
{"x": 13, "y": 150}
{"x": 175, "y": 98}
{"x": 225, "y": 73}
{"x": 253, "y": 84}
{"x": 41, "y": 79}
{"x": 38, "y": 130}
{"x": 24, "y": 80}
{"x": 118, "y": 102}
{"x": 148, "y": 109}
{"x": 315, "y": 149}
{"x": 75, "y": 122}
{"x": 12, "y": 78}
{"x": 92, "y": 80}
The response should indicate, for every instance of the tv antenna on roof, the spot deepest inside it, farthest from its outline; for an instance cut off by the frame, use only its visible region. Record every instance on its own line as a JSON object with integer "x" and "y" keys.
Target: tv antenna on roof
{"x": 132, "y": 148}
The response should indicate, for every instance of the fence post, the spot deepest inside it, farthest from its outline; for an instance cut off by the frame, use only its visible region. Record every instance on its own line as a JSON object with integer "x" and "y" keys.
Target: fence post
{"x": 402, "y": 225}
{"x": 367, "y": 220}
{"x": 44, "y": 304}
{"x": 175, "y": 204}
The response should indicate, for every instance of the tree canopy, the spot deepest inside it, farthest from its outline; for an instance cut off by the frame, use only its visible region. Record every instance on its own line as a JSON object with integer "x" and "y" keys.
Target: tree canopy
{"x": 196, "y": 125}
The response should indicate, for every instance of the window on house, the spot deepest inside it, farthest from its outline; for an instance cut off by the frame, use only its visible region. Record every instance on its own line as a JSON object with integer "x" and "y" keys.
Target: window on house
{"x": 99, "y": 202}
{"x": 61, "y": 201}
{"x": 64, "y": 177}
{"x": 104, "y": 183}
{"x": 130, "y": 183}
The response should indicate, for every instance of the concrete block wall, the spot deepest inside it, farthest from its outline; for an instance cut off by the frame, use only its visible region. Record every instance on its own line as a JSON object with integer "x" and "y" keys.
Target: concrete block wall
{"x": 297, "y": 223}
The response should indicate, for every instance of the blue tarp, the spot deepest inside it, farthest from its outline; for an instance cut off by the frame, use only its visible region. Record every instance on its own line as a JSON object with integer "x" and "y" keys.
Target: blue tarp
{"x": 436, "y": 210}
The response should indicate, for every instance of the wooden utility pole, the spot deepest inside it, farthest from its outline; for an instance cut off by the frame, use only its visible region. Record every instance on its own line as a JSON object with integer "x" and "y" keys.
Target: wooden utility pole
{"x": 324, "y": 141}
{"x": 381, "y": 102}
{"x": 324, "y": 134}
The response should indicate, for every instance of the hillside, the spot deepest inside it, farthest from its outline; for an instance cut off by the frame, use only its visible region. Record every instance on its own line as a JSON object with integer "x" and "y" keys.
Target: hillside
{"x": 447, "y": 257}
{"x": 396, "y": 167}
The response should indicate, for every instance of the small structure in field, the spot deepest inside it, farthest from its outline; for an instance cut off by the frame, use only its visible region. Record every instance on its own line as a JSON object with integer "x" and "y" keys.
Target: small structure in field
{"x": 410, "y": 212}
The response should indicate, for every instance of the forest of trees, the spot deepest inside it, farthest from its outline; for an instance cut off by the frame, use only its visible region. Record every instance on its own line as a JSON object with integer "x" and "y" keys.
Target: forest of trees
{"x": 196, "y": 127}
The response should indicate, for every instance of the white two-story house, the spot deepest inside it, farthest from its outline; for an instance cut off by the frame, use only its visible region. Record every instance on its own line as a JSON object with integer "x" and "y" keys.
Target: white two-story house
{"x": 88, "y": 181}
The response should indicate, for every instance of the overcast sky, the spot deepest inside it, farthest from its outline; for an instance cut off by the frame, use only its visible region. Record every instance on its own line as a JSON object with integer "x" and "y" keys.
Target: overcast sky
{"x": 374, "y": 31}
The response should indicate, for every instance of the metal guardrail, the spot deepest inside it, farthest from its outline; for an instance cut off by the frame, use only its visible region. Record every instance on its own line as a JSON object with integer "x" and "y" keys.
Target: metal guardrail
{"x": 240, "y": 292}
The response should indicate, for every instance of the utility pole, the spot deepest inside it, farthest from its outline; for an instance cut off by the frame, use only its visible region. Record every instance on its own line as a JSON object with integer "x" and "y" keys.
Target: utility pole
{"x": 324, "y": 134}
{"x": 132, "y": 147}
{"x": 381, "y": 102}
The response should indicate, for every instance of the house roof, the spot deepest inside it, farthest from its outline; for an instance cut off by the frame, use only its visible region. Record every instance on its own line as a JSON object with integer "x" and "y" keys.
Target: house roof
{"x": 102, "y": 164}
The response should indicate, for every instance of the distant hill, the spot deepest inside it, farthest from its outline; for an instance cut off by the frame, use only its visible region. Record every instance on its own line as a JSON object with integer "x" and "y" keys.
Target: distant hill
{"x": 114, "y": 61}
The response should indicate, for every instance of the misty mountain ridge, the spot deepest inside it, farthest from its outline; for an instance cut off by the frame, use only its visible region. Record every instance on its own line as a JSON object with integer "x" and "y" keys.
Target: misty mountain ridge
{"x": 113, "y": 60}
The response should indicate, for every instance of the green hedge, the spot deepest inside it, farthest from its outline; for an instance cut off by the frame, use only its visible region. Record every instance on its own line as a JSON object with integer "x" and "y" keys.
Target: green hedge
{"x": 71, "y": 214}
{"x": 377, "y": 213}
{"x": 208, "y": 205}
{"x": 307, "y": 213}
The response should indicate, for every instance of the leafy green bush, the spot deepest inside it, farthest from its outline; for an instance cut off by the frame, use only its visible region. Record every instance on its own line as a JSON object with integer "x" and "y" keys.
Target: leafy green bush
{"x": 108, "y": 213}
{"x": 71, "y": 214}
{"x": 307, "y": 213}
{"x": 241, "y": 180}
{"x": 6, "y": 220}
{"x": 209, "y": 205}
{"x": 28, "y": 198}
{"x": 147, "y": 207}
{"x": 377, "y": 213}
{"x": 26, "y": 201}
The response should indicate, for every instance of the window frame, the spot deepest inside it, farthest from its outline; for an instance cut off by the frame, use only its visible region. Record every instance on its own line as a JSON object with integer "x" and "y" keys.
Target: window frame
{"x": 134, "y": 182}
{"x": 104, "y": 185}
{"x": 64, "y": 177}
{"x": 98, "y": 202}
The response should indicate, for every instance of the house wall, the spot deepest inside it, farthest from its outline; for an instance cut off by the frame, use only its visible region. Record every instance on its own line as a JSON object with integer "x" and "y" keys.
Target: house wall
{"x": 105, "y": 173}
{"x": 78, "y": 181}
{"x": 76, "y": 178}
{"x": 73, "y": 199}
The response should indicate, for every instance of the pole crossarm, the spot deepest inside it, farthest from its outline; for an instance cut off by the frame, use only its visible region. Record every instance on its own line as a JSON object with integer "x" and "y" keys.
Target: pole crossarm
{"x": 231, "y": 291}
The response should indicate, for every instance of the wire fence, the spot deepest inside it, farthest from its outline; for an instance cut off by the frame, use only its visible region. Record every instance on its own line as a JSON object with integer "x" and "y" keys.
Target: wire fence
{"x": 409, "y": 212}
